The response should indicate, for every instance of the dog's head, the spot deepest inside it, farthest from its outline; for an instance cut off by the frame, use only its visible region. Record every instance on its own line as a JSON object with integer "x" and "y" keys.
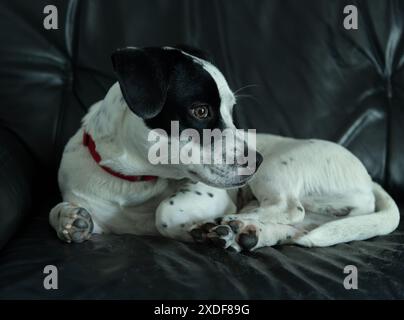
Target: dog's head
{"x": 162, "y": 86}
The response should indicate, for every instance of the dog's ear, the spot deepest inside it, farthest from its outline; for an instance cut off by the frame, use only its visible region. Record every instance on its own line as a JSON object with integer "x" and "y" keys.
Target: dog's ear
{"x": 142, "y": 80}
{"x": 194, "y": 51}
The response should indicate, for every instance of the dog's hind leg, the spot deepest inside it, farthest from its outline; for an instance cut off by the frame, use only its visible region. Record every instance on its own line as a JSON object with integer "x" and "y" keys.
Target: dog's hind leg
{"x": 72, "y": 223}
{"x": 340, "y": 205}
{"x": 360, "y": 226}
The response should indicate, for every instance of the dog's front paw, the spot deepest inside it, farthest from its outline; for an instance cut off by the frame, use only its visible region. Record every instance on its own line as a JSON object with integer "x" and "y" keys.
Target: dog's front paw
{"x": 235, "y": 234}
{"x": 74, "y": 224}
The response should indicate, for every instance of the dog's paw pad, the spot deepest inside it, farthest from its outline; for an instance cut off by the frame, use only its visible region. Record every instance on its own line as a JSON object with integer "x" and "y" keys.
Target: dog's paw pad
{"x": 76, "y": 227}
{"x": 80, "y": 224}
{"x": 218, "y": 242}
{"x": 221, "y": 236}
{"x": 207, "y": 227}
{"x": 235, "y": 225}
{"x": 247, "y": 241}
{"x": 222, "y": 231}
{"x": 198, "y": 235}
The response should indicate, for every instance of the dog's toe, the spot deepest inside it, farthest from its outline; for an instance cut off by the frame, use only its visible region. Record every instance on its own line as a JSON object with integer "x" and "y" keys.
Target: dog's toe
{"x": 218, "y": 242}
{"x": 235, "y": 225}
{"x": 207, "y": 227}
{"x": 222, "y": 230}
{"x": 221, "y": 236}
{"x": 248, "y": 241}
{"x": 198, "y": 235}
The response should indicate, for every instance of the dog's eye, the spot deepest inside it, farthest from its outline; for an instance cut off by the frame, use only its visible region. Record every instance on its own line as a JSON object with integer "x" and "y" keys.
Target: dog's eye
{"x": 200, "y": 111}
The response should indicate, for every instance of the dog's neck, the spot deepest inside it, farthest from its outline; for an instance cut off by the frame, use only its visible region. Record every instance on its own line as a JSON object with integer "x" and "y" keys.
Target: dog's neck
{"x": 121, "y": 137}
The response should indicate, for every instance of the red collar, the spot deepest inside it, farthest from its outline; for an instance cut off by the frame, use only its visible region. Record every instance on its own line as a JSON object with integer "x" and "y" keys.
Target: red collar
{"x": 90, "y": 144}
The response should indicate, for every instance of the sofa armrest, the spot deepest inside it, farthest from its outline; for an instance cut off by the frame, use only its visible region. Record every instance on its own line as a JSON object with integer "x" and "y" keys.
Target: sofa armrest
{"x": 16, "y": 179}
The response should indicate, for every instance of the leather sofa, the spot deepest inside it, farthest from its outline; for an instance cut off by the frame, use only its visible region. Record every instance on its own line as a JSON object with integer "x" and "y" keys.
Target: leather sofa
{"x": 306, "y": 77}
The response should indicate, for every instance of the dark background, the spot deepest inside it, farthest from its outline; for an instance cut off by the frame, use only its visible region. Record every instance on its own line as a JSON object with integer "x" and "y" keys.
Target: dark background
{"x": 312, "y": 79}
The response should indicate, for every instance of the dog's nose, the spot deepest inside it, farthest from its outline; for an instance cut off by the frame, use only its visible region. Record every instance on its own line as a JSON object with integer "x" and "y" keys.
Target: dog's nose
{"x": 259, "y": 158}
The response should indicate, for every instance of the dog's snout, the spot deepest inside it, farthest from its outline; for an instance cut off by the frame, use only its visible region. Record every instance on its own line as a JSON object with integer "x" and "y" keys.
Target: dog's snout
{"x": 259, "y": 158}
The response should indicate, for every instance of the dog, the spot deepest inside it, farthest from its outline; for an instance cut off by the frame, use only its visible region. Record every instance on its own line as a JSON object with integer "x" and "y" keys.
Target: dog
{"x": 304, "y": 192}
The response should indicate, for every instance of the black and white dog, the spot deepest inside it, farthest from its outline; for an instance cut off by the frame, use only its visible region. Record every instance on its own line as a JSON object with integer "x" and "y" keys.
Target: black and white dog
{"x": 308, "y": 192}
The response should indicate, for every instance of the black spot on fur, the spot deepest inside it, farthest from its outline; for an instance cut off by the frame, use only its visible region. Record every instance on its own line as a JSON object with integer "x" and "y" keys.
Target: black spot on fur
{"x": 300, "y": 209}
{"x": 284, "y": 163}
{"x": 171, "y": 202}
{"x": 210, "y": 194}
{"x": 198, "y": 193}
{"x": 164, "y": 225}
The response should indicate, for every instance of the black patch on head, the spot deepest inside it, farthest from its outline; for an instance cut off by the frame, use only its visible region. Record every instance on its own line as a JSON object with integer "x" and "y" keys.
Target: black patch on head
{"x": 143, "y": 78}
{"x": 162, "y": 85}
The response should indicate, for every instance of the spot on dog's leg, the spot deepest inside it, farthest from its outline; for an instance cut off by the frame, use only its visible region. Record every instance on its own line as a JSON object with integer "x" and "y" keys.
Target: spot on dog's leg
{"x": 300, "y": 208}
{"x": 198, "y": 193}
{"x": 210, "y": 194}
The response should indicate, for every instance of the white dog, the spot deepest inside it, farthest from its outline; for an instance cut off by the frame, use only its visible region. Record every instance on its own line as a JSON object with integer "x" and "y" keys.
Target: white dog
{"x": 308, "y": 192}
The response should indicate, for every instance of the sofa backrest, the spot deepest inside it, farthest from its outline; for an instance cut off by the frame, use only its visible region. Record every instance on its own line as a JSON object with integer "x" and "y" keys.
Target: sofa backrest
{"x": 307, "y": 76}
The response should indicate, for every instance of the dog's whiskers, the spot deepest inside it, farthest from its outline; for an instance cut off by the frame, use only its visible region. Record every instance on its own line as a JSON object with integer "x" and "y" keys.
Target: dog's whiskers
{"x": 245, "y": 87}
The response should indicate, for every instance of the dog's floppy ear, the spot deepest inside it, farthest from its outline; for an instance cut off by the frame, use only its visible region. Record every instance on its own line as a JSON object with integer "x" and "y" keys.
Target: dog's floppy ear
{"x": 142, "y": 80}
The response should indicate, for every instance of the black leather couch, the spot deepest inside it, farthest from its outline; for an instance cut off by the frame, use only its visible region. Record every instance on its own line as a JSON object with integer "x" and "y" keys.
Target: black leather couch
{"x": 312, "y": 77}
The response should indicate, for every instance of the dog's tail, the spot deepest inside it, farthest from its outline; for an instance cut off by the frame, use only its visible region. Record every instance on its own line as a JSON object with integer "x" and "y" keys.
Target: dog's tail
{"x": 383, "y": 221}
